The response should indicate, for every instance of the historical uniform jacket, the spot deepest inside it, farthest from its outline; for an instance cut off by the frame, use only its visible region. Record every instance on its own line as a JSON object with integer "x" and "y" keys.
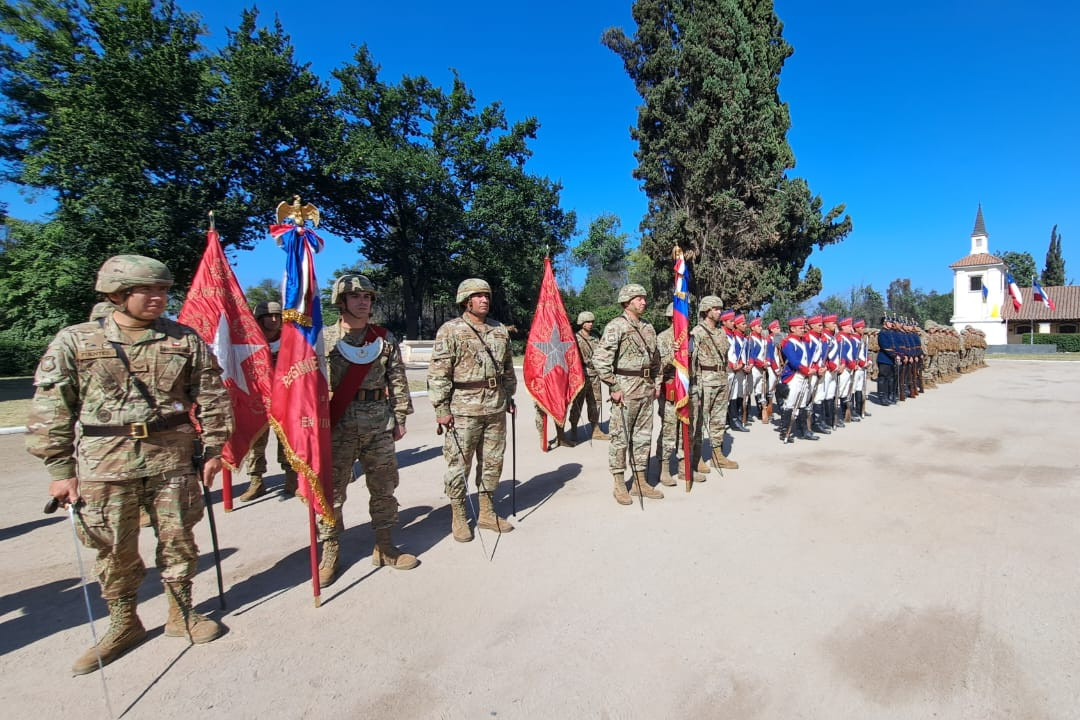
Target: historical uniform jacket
{"x": 711, "y": 353}
{"x": 472, "y": 368}
{"x": 385, "y": 380}
{"x": 796, "y": 355}
{"x": 626, "y": 358}
{"x": 131, "y": 398}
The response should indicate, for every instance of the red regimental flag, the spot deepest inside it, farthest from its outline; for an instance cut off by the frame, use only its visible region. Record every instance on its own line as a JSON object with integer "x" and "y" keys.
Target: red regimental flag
{"x": 553, "y": 372}
{"x": 218, "y": 311}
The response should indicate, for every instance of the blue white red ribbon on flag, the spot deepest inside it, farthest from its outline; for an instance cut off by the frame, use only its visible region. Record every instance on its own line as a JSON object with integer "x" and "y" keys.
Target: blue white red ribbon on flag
{"x": 1039, "y": 295}
{"x": 300, "y": 401}
{"x": 680, "y": 323}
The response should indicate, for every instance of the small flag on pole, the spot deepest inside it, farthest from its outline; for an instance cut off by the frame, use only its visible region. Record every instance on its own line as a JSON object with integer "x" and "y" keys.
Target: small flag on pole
{"x": 985, "y": 292}
{"x": 1014, "y": 291}
{"x": 1039, "y": 295}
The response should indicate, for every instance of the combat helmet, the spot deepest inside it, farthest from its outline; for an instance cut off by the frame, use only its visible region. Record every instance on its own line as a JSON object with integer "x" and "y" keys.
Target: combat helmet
{"x": 351, "y": 282}
{"x": 708, "y": 303}
{"x": 585, "y": 316}
{"x": 267, "y": 307}
{"x": 122, "y": 272}
{"x": 631, "y": 291}
{"x": 471, "y": 286}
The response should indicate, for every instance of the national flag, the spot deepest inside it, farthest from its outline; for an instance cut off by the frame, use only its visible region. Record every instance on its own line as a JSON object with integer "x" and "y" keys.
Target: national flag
{"x": 300, "y": 399}
{"x": 217, "y": 310}
{"x": 1038, "y": 295}
{"x": 552, "y": 365}
{"x": 1014, "y": 291}
{"x": 680, "y": 323}
{"x": 985, "y": 292}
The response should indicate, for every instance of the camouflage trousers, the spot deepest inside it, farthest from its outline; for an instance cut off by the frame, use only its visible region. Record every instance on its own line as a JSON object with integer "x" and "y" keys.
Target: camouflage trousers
{"x": 256, "y": 459}
{"x": 589, "y": 396}
{"x": 109, "y": 524}
{"x": 630, "y": 421}
{"x": 361, "y": 434}
{"x": 709, "y": 412}
{"x": 668, "y": 441}
{"x": 482, "y": 436}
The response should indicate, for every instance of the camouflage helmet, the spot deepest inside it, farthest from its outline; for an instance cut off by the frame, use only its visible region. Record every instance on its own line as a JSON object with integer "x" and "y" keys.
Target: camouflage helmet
{"x": 351, "y": 282}
{"x": 669, "y": 311}
{"x": 121, "y": 272}
{"x": 710, "y": 302}
{"x": 585, "y": 316}
{"x": 631, "y": 291}
{"x": 471, "y": 286}
{"x": 267, "y": 307}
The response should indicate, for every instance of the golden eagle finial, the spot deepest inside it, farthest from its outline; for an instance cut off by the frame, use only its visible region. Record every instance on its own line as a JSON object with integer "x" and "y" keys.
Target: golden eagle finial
{"x": 296, "y": 213}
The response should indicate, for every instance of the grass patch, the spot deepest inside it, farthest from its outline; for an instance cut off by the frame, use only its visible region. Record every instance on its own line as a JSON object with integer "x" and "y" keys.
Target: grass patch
{"x": 15, "y": 394}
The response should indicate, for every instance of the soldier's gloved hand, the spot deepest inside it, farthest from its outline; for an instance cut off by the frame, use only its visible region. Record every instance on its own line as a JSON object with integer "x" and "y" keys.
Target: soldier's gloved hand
{"x": 616, "y": 397}
{"x": 211, "y": 467}
{"x": 446, "y": 421}
{"x": 66, "y": 491}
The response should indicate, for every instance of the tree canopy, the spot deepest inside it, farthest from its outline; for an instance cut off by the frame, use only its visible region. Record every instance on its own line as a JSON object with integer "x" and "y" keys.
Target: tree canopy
{"x": 712, "y": 151}
{"x": 1054, "y": 270}
{"x": 1021, "y": 265}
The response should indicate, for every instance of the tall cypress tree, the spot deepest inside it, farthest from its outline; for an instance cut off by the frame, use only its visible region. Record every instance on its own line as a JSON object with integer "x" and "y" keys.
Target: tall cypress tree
{"x": 1054, "y": 271}
{"x": 713, "y": 154}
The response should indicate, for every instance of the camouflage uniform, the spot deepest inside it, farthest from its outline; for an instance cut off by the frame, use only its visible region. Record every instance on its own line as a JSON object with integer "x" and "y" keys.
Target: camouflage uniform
{"x": 135, "y": 449}
{"x": 365, "y": 431}
{"x": 460, "y": 358}
{"x": 591, "y": 394}
{"x": 256, "y": 457}
{"x": 712, "y": 391}
{"x": 626, "y": 361}
{"x": 667, "y": 442}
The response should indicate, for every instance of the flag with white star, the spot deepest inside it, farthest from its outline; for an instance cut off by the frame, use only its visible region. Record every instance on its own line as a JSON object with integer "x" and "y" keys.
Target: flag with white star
{"x": 217, "y": 310}
{"x": 552, "y": 365}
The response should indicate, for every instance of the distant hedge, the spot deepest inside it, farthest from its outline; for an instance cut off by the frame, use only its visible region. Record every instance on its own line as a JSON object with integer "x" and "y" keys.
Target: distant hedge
{"x": 20, "y": 357}
{"x": 1066, "y": 342}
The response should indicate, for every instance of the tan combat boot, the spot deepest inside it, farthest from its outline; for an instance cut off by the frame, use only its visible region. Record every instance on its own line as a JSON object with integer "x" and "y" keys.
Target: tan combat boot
{"x": 459, "y": 521}
{"x": 621, "y": 496}
{"x": 722, "y": 462}
{"x": 598, "y": 434}
{"x": 183, "y": 620}
{"x": 702, "y": 466}
{"x": 488, "y": 520}
{"x": 640, "y": 487}
{"x": 256, "y": 489}
{"x": 386, "y": 554}
{"x": 125, "y": 632}
{"x": 698, "y": 477}
{"x": 328, "y": 567}
{"x": 665, "y": 475}
{"x": 144, "y": 518}
{"x": 289, "y": 490}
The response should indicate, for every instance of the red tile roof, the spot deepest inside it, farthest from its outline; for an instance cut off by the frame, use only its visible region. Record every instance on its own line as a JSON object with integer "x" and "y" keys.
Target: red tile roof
{"x": 1066, "y": 302}
{"x": 978, "y": 259}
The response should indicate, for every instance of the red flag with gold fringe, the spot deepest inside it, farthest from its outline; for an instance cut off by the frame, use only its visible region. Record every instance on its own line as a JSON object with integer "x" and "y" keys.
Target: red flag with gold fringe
{"x": 552, "y": 366}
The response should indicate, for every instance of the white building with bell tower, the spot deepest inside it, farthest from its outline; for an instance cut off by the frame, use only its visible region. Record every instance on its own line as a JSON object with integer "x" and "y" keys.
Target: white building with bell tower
{"x": 979, "y": 287}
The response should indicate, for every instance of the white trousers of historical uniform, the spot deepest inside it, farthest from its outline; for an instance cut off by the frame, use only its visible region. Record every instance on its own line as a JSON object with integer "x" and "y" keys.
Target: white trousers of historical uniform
{"x": 843, "y": 383}
{"x": 797, "y": 387}
{"x": 734, "y": 382}
{"x": 757, "y": 388}
{"x": 819, "y": 388}
{"x": 829, "y": 385}
{"x": 770, "y": 379}
{"x": 860, "y": 379}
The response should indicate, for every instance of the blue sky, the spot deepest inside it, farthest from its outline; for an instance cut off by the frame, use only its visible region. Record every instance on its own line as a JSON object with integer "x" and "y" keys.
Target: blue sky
{"x": 909, "y": 113}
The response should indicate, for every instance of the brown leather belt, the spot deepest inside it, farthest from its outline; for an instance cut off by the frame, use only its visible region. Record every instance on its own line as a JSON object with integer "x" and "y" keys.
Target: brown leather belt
{"x": 642, "y": 373}
{"x": 491, "y": 383}
{"x": 708, "y": 368}
{"x": 370, "y": 395}
{"x": 136, "y": 430}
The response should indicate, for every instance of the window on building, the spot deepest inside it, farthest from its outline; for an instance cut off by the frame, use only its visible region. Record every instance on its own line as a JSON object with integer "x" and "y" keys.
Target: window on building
{"x": 976, "y": 283}
{"x": 1066, "y": 328}
{"x": 1021, "y": 329}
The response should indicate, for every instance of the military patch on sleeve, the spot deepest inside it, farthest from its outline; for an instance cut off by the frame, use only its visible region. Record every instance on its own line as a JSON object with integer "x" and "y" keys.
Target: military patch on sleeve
{"x": 438, "y": 346}
{"x": 48, "y": 363}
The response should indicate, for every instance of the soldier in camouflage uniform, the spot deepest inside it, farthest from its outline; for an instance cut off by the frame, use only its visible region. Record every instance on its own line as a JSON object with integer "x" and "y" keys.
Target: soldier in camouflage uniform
{"x": 562, "y": 437}
{"x": 627, "y": 362}
{"x": 471, "y": 383}
{"x": 366, "y": 372}
{"x": 667, "y": 441}
{"x": 268, "y": 315}
{"x": 591, "y": 395}
{"x": 711, "y": 392}
{"x": 111, "y": 418}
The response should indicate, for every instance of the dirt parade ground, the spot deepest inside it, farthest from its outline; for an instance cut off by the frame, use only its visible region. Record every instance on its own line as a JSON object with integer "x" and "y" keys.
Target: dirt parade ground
{"x": 922, "y": 563}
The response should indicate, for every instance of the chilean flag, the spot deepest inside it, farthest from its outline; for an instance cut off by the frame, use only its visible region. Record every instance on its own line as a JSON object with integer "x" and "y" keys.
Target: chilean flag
{"x": 1038, "y": 295}
{"x": 1014, "y": 291}
{"x": 300, "y": 400}
{"x": 680, "y": 323}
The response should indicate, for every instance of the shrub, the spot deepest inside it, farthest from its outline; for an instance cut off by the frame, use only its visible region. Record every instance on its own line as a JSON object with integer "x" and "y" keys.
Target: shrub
{"x": 1066, "y": 342}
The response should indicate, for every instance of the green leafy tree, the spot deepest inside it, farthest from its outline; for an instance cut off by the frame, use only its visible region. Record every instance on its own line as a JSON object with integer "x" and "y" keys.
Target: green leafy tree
{"x": 1021, "y": 265}
{"x": 867, "y": 303}
{"x": 603, "y": 253}
{"x": 713, "y": 154}
{"x": 1054, "y": 271}
{"x": 903, "y": 299}
{"x": 435, "y": 191}
{"x": 266, "y": 291}
{"x": 937, "y": 307}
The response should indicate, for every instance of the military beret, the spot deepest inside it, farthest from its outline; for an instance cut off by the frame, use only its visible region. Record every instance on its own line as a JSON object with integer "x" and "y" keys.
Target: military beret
{"x": 814, "y": 320}
{"x": 756, "y": 322}
{"x": 796, "y": 322}
{"x": 774, "y": 325}
{"x": 727, "y": 315}
{"x": 859, "y": 324}
{"x": 740, "y": 318}
{"x": 844, "y": 322}
{"x": 829, "y": 318}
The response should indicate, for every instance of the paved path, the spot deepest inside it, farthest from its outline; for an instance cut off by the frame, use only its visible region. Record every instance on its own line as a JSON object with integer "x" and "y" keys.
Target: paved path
{"x": 923, "y": 563}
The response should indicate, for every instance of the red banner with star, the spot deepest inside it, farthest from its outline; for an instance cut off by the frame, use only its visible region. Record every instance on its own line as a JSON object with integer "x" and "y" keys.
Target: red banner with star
{"x": 215, "y": 307}
{"x": 552, "y": 366}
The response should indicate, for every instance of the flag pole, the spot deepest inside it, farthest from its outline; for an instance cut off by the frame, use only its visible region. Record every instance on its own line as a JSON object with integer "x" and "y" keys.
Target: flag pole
{"x": 314, "y": 543}
{"x": 1031, "y": 336}
{"x": 226, "y": 472}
